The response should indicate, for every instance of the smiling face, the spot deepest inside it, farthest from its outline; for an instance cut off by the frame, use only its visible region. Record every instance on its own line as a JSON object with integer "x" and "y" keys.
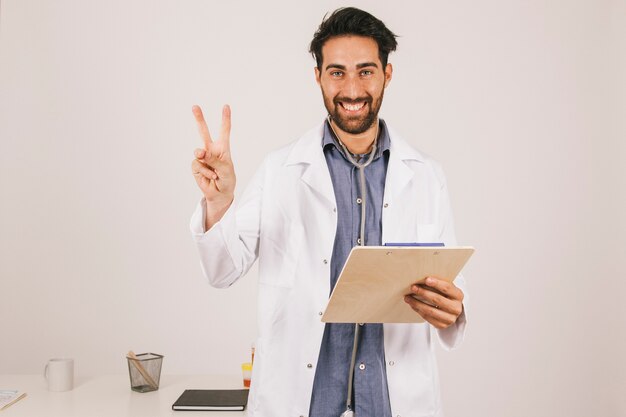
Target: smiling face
{"x": 353, "y": 82}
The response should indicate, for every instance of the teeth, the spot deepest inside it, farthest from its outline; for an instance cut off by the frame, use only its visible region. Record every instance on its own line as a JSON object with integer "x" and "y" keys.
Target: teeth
{"x": 353, "y": 107}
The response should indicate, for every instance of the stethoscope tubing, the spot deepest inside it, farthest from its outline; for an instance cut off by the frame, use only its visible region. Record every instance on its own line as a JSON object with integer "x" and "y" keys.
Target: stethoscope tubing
{"x": 361, "y": 242}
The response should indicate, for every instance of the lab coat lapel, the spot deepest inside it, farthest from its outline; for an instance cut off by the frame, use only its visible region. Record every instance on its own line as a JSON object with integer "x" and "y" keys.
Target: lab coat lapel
{"x": 308, "y": 151}
{"x": 398, "y": 173}
{"x": 317, "y": 176}
{"x": 401, "y": 185}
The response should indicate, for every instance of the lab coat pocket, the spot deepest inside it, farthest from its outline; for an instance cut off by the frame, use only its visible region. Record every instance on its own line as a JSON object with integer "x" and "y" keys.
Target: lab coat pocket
{"x": 428, "y": 233}
{"x": 279, "y": 253}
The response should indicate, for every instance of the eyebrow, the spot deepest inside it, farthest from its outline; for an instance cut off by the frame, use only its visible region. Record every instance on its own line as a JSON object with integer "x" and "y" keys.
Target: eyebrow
{"x": 358, "y": 66}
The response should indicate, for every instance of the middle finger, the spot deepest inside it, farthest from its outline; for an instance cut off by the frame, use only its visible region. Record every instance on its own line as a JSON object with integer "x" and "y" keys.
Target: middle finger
{"x": 430, "y": 297}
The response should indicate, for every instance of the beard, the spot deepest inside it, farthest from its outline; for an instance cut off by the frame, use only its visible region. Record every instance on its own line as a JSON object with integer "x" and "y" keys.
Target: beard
{"x": 354, "y": 124}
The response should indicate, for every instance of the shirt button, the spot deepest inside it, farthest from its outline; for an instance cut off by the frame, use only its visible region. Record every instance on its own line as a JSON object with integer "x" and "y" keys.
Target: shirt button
{"x": 362, "y": 366}
{"x": 360, "y": 324}
{"x": 385, "y": 206}
{"x": 309, "y": 365}
{"x": 358, "y": 241}
{"x": 359, "y": 201}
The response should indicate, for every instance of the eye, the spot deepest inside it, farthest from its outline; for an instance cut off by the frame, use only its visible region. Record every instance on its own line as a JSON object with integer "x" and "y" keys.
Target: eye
{"x": 336, "y": 74}
{"x": 366, "y": 72}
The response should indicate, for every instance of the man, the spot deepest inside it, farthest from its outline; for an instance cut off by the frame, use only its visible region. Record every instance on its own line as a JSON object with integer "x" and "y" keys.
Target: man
{"x": 348, "y": 182}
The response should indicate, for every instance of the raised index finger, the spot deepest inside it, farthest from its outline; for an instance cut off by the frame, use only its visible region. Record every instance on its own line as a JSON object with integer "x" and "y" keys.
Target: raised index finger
{"x": 202, "y": 127}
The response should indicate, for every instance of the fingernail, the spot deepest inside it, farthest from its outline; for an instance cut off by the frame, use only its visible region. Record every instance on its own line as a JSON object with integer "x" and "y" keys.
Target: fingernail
{"x": 414, "y": 288}
{"x": 429, "y": 281}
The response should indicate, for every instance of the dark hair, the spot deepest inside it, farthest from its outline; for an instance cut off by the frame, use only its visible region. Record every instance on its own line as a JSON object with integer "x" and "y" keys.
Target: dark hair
{"x": 353, "y": 21}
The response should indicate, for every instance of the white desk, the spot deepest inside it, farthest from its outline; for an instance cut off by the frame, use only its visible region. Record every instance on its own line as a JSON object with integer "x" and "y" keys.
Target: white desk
{"x": 110, "y": 396}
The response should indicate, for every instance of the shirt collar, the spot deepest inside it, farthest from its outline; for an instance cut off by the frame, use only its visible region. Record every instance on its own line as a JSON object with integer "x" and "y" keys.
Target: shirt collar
{"x": 383, "y": 144}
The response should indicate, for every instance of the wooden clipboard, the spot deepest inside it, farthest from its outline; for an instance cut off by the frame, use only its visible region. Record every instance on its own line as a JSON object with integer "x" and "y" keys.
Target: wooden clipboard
{"x": 375, "y": 279}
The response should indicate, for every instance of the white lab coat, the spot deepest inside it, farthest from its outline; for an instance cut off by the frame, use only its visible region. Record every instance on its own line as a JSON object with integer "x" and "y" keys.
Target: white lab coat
{"x": 287, "y": 219}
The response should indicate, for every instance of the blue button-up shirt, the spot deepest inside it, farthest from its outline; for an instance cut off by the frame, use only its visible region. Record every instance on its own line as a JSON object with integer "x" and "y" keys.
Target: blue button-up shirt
{"x": 330, "y": 387}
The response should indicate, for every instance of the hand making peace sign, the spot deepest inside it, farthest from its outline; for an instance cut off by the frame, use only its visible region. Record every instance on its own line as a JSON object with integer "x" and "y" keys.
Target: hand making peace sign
{"x": 213, "y": 168}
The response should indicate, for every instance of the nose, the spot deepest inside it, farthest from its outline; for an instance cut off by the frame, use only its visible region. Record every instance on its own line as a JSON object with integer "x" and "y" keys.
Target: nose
{"x": 352, "y": 88}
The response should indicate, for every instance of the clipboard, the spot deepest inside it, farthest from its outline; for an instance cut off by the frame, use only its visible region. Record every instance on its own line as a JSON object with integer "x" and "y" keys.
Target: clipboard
{"x": 375, "y": 279}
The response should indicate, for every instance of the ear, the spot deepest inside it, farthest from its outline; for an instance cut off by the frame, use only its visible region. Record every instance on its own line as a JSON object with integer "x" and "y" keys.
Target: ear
{"x": 318, "y": 74}
{"x": 388, "y": 74}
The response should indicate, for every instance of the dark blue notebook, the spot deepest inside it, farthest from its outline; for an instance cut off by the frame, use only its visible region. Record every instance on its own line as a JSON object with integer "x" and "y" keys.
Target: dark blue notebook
{"x": 212, "y": 400}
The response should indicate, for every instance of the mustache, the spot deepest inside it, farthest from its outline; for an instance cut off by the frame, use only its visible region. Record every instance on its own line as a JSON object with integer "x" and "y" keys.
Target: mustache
{"x": 366, "y": 99}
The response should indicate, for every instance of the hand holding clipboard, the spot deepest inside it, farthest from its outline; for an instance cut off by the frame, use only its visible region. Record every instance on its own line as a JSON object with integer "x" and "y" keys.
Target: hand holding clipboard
{"x": 375, "y": 280}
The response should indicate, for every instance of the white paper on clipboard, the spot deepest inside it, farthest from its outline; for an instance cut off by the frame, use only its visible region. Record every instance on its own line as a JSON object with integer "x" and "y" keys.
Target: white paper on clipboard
{"x": 375, "y": 279}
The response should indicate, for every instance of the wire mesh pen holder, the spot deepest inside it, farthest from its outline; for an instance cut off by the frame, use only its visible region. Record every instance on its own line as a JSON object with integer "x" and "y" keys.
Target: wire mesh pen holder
{"x": 145, "y": 371}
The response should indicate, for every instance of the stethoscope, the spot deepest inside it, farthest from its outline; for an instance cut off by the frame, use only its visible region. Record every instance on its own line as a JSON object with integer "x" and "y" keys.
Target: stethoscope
{"x": 361, "y": 242}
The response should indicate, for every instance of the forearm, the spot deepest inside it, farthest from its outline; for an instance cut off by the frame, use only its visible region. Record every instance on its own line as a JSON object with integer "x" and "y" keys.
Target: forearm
{"x": 214, "y": 212}
{"x": 228, "y": 246}
{"x": 219, "y": 255}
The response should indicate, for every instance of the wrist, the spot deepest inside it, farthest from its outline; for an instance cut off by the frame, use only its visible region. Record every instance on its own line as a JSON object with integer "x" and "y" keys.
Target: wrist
{"x": 215, "y": 210}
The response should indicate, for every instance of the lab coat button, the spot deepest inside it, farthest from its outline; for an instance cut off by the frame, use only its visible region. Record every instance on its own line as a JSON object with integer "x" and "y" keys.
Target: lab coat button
{"x": 320, "y": 313}
{"x": 325, "y": 261}
{"x": 309, "y": 365}
{"x": 391, "y": 363}
{"x": 362, "y": 366}
{"x": 385, "y": 206}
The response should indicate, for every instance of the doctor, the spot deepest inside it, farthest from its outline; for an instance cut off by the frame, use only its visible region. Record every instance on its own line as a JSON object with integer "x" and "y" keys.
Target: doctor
{"x": 349, "y": 181}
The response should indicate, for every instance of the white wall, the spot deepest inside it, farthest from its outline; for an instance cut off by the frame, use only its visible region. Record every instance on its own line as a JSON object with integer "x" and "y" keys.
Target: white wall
{"x": 522, "y": 101}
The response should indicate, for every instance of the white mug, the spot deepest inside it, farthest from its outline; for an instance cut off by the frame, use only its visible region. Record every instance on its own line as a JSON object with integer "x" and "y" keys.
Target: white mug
{"x": 60, "y": 374}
